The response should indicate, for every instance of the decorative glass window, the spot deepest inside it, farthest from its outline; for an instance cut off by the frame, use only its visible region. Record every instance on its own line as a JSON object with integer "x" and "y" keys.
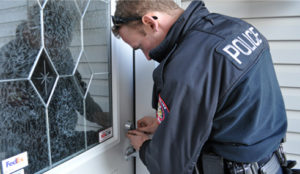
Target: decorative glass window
{"x": 55, "y": 80}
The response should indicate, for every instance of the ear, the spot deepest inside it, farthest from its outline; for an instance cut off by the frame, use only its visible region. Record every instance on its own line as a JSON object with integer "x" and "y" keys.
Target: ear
{"x": 150, "y": 22}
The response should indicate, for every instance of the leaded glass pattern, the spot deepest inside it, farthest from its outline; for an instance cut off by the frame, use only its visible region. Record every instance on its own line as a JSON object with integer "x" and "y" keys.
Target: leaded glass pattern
{"x": 62, "y": 34}
{"x": 55, "y": 81}
{"x": 98, "y": 95}
{"x": 95, "y": 36}
{"x": 84, "y": 73}
{"x": 23, "y": 124}
{"x": 65, "y": 107}
{"x": 44, "y": 76}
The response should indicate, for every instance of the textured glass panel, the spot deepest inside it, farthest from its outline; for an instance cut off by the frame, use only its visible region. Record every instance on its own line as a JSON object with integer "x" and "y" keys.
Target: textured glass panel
{"x": 95, "y": 35}
{"x": 83, "y": 73}
{"x": 44, "y": 76}
{"x": 66, "y": 106}
{"x": 20, "y": 38}
{"x": 23, "y": 124}
{"x": 62, "y": 34}
{"x": 40, "y": 46}
{"x": 43, "y": 2}
{"x": 82, "y": 5}
{"x": 97, "y": 104}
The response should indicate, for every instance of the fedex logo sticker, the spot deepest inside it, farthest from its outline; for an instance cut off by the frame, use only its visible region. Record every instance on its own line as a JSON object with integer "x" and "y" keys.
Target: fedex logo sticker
{"x": 15, "y": 163}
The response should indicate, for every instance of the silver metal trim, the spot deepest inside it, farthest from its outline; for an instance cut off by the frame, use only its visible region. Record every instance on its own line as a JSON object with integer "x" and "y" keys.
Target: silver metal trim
{"x": 52, "y": 91}
{"x": 42, "y": 24}
{"x": 38, "y": 93}
{"x": 86, "y": 7}
{"x": 84, "y": 122}
{"x": 65, "y": 76}
{"x": 49, "y": 58}
{"x": 91, "y": 69}
{"x": 77, "y": 85}
{"x": 104, "y": 73}
{"x": 77, "y": 62}
{"x": 48, "y": 136}
{"x": 109, "y": 58}
{"x": 88, "y": 87}
{"x": 35, "y": 63}
{"x": 13, "y": 80}
{"x": 43, "y": 4}
{"x": 56, "y": 80}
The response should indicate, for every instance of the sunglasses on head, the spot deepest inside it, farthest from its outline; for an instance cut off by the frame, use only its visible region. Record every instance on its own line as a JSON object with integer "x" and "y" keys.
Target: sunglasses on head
{"x": 123, "y": 20}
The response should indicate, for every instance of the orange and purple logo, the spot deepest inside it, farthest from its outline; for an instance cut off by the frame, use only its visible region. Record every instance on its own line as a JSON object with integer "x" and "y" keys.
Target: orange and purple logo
{"x": 15, "y": 163}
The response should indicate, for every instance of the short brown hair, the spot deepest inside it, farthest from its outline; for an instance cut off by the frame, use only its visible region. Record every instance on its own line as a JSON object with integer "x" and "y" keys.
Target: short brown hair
{"x": 138, "y": 8}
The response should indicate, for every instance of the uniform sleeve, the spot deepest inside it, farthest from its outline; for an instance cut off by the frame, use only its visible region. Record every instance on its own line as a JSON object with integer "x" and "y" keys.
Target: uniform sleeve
{"x": 177, "y": 143}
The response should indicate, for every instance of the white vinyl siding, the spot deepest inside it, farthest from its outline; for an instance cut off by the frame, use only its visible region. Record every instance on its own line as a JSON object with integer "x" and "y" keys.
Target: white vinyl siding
{"x": 279, "y": 21}
{"x": 8, "y": 22}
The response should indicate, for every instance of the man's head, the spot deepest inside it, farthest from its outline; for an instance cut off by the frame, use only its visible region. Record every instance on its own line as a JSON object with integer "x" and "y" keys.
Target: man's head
{"x": 143, "y": 24}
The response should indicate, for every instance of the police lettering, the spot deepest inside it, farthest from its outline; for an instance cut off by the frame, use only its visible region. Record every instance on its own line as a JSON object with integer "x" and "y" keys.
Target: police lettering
{"x": 244, "y": 44}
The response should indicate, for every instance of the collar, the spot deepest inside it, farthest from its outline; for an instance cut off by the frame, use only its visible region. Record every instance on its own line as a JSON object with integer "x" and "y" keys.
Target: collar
{"x": 185, "y": 22}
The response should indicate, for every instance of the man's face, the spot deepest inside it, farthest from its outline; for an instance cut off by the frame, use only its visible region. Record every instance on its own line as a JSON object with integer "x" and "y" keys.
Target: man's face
{"x": 138, "y": 40}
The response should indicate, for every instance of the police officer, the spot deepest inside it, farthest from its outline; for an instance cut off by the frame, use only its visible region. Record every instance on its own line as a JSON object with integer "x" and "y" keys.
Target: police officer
{"x": 218, "y": 101}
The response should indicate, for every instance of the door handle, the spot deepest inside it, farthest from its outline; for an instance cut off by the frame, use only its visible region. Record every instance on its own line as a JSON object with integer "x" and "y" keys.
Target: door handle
{"x": 129, "y": 126}
{"x": 130, "y": 153}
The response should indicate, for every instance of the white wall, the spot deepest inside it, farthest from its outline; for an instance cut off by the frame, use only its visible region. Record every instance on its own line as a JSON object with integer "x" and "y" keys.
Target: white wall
{"x": 279, "y": 21}
{"x": 143, "y": 103}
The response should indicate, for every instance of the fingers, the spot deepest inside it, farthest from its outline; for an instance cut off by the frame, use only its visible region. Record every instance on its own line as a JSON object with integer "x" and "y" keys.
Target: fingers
{"x": 145, "y": 131}
{"x": 141, "y": 124}
{"x": 145, "y": 121}
{"x": 136, "y": 133}
{"x": 137, "y": 138}
{"x": 150, "y": 128}
{"x": 130, "y": 136}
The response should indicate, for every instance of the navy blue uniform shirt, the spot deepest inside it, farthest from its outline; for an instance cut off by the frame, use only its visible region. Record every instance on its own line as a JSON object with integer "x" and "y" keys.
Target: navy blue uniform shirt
{"x": 215, "y": 86}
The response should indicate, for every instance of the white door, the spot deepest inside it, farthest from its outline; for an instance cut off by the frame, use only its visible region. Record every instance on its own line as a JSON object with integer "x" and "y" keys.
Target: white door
{"x": 66, "y": 88}
{"x": 109, "y": 158}
{"x": 143, "y": 96}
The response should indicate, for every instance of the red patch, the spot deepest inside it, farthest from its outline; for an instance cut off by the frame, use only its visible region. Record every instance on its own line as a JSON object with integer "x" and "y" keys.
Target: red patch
{"x": 162, "y": 110}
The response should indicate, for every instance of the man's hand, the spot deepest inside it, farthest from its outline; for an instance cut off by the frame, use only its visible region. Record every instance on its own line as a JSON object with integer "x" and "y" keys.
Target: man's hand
{"x": 137, "y": 138}
{"x": 147, "y": 124}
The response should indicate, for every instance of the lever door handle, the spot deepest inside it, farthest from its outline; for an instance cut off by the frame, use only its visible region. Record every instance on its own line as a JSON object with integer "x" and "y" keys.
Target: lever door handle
{"x": 129, "y": 126}
{"x": 130, "y": 153}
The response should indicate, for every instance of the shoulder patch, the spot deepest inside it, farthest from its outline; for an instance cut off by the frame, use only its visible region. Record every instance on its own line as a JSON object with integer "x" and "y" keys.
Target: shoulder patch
{"x": 162, "y": 110}
{"x": 241, "y": 48}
